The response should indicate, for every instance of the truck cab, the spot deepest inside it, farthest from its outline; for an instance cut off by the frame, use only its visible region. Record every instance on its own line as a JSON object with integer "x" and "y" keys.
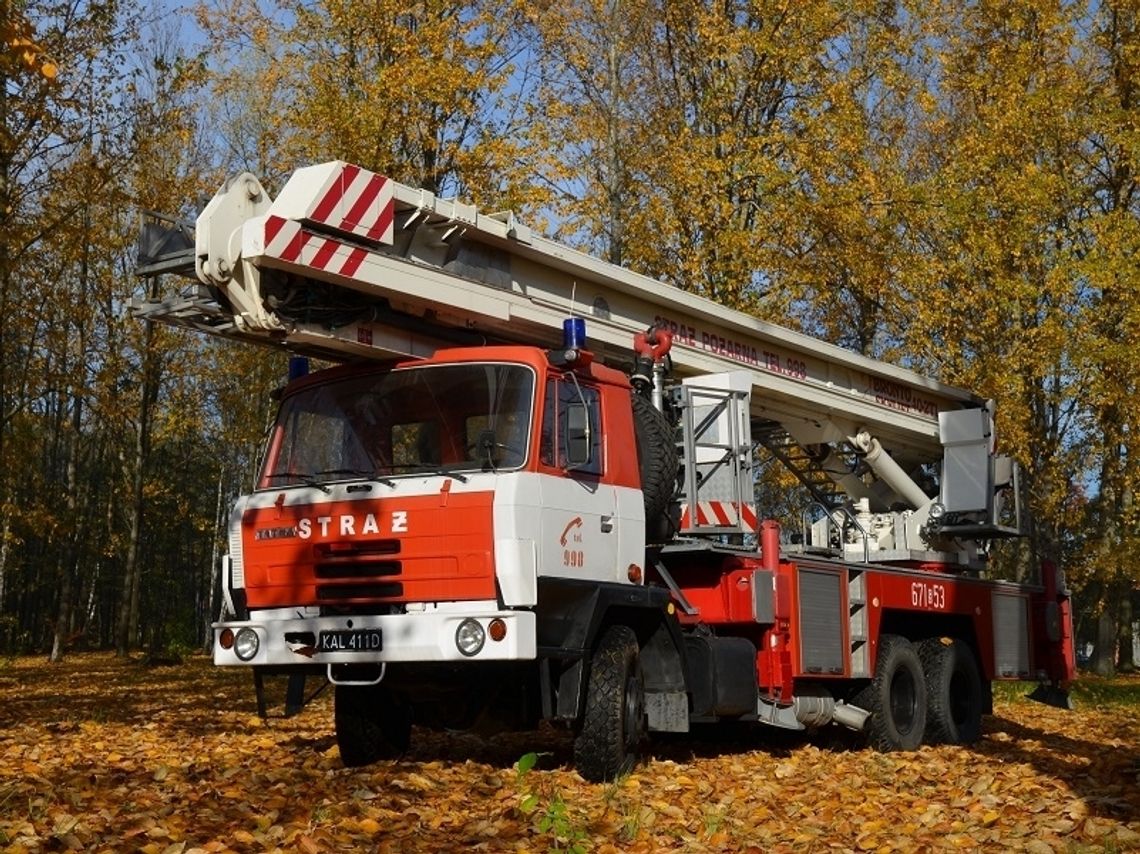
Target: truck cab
{"x": 406, "y": 513}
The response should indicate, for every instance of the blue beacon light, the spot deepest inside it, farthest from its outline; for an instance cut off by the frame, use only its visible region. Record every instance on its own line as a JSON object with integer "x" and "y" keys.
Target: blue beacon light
{"x": 298, "y": 367}
{"x": 574, "y": 333}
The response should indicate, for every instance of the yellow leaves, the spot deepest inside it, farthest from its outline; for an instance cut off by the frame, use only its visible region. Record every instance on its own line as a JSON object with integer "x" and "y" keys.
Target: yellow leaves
{"x": 104, "y": 755}
{"x": 407, "y": 91}
{"x": 20, "y": 49}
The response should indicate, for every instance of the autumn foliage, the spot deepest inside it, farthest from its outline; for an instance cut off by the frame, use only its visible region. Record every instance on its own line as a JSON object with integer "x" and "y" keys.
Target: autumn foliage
{"x": 947, "y": 186}
{"x": 100, "y": 754}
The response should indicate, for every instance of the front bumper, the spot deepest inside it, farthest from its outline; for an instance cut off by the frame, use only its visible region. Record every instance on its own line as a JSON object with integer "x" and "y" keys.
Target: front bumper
{"x": 419, "y": 636}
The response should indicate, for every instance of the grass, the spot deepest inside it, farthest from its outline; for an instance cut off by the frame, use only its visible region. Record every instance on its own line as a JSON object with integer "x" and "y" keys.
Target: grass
{"x": 1090, "y": 691}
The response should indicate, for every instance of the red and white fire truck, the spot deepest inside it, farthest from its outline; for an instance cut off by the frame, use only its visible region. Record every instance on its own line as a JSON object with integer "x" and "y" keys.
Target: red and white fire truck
{"x": 527, "y": 493}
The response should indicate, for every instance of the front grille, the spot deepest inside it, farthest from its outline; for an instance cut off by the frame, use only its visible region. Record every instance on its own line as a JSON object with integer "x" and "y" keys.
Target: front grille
{"x": 357, "y": 560}
{"x": 343, "y": 592}
{"x": 359, "y": 549}
{"x": 354, "y": 568}
{"x": 357, "y": 609}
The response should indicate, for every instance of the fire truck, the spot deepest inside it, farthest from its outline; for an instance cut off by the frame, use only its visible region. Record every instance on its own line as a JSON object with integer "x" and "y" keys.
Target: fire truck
{"x": 526, "y": 492}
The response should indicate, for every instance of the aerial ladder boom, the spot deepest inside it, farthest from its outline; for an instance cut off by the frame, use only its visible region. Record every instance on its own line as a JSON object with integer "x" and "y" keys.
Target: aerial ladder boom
{"x": 346, "y": 264}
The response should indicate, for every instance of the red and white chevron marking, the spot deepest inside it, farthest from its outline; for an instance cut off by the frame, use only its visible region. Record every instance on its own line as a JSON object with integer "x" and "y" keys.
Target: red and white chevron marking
{"x": 342, "y": 197}
{"x": 285, "y": 239}
{"x": 719, "y": 514}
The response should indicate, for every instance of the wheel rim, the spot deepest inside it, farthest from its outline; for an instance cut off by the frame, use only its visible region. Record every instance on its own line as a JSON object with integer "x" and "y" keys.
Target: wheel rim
{"x": 903, "y": 700}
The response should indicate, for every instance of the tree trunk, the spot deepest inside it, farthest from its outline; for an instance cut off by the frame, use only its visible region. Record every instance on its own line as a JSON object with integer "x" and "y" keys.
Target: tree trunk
{"x": 615, "y": 183}
{"x": 128, "y": 620}
{"x": 128, "y": 600}
{"x": 1104, "y": 650}
{"x": 124, "y": 637}
{"x": 213, "y": 575}
{"x": 69, "y": 560}
{"x": 5, "y": 533}
{"x": 5, "y": 217}
{"x": 63, "y": 614}
{"x": 1125, "y": 662}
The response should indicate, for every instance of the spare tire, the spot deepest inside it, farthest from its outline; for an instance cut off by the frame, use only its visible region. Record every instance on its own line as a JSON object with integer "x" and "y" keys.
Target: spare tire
{"x": 656, "y": 459}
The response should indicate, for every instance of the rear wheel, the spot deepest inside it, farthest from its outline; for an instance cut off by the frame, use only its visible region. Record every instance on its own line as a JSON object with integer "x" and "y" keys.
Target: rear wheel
{"x": 896, "y": 697}
{"x": 371, "y": 724}
{"x": 613, "y": 725}
{"x": 954, "y": 691}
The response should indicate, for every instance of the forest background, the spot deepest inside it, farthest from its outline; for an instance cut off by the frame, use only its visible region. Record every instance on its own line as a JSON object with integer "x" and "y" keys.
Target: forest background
{"x": 951, "y": 187}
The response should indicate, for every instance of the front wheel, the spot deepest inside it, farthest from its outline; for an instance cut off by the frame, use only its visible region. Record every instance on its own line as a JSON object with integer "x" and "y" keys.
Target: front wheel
{"x": 613, "y": 725}
{"x": 371, "y": 724}
{"x": 954, "y": 691}
{"x": 896, "y": 697}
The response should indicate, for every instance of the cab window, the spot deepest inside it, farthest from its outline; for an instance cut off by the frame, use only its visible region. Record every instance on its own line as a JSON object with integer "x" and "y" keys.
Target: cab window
{"x": 562, "y": 398}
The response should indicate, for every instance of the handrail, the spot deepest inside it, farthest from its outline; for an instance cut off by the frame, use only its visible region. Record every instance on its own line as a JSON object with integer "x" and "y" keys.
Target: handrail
{"x": 850, "y": 520}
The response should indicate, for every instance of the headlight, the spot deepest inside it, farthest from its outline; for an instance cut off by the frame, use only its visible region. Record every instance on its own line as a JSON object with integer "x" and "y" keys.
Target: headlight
{"x": 469, "y": 637}
{"x": 246, "y": 643}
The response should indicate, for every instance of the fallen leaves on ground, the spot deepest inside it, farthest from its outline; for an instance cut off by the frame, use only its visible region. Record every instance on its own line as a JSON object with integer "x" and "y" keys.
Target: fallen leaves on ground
{"x": 100, "y": 754}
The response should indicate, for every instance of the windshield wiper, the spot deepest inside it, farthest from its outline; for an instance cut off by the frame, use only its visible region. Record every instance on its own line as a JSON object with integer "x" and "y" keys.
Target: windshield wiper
{"x": 304, "y": 478}
{"x": 363, "y": 473}
{"x": 428, "y": 468}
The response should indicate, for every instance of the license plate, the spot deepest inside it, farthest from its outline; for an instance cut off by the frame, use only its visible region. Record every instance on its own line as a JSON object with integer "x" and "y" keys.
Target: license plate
{"x": 350, "y": 640}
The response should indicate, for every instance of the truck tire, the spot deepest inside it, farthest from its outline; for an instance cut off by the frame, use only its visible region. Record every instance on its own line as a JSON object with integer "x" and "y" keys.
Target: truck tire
{"x": 953, "y": 692}
{"x": 613, "y": 724}
{"x": 656, "y": 457}
{"x": 371, "y": 724}
{"x": 896, "y": 697}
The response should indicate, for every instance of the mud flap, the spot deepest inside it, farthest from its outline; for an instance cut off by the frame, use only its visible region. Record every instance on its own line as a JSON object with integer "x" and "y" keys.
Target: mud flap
{"x": 1056, "y": 650}
{"x": 295, "y": 699}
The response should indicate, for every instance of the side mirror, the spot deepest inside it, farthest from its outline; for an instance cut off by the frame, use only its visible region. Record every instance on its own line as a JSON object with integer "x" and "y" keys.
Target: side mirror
{"x": 577, "y": 435}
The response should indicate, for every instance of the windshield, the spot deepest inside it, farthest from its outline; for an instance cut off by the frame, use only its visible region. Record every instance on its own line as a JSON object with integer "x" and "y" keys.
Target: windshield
{"x": 439, "y": 418}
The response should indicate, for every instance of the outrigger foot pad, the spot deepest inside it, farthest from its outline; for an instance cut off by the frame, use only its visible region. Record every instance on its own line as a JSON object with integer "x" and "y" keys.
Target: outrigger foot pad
{"x": 1051, "y": 695}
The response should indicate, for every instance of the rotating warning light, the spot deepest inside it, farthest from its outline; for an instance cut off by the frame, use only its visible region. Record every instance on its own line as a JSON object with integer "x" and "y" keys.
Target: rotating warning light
{"x": 574, "y": 333}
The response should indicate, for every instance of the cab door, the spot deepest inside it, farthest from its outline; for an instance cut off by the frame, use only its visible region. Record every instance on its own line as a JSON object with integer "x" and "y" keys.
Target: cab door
{"x": 579, "y": 531}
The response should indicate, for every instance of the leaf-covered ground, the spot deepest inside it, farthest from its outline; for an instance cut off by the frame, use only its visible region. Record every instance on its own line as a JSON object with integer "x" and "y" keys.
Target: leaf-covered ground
{"x": 98, "y": 754}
